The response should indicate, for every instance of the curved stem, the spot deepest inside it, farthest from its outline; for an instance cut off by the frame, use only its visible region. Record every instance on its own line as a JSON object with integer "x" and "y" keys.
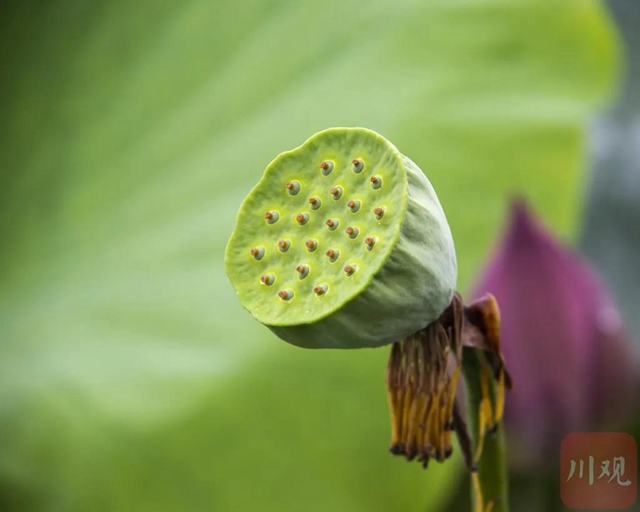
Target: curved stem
{"x": 492, "y": 471}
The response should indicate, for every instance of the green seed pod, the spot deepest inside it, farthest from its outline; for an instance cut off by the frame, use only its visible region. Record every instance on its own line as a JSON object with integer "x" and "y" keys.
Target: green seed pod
{"x": 371, "y": 262}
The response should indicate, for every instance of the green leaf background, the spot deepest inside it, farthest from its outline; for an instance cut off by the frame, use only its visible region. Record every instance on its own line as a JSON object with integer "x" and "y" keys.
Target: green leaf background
{"x": 130, "y": 377}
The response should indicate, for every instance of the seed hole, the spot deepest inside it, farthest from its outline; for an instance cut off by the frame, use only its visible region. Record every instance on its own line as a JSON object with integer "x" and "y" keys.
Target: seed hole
{"x": 369, "y": 242}
{"x": 358, "y": 165}
{"x": 302, "y": 218}
{"x": 354, "y": 206}
{"x": 284, "y": 245}
{"x": 326, "y": 167}
{"x": 267, "y": 279}
{"x": 271, "y": 217}
{"x": 312, "y": 245}
{"x": 315, "y": 202}
{"x": 257, "y": 252}
{"x": 336, "y": 193}
{"x": 293, "y": 187}
{"x": 379, "y": 212}
{"x": 332, "y": 224}
{"x": 352, "y": 231}
{"x": 285, "y": 294}
{"x": 349, "y": 270}
{"x": 320, "y": 289}
{"x": 376, "y": 182}
{"x": 303, "y": 271}
{"x": 333, "y": 255}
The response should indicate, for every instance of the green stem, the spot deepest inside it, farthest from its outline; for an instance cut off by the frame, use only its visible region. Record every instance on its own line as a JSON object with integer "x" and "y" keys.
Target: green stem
{"x": 492, "y": 469}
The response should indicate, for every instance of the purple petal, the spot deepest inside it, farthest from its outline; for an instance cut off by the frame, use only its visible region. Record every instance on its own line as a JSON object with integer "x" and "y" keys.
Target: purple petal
{"x": 562, "y": 338}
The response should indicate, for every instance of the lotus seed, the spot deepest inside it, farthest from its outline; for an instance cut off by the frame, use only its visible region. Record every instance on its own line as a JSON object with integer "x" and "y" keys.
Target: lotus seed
{"x": 293, "y": 187}
{"x": 271, "y": 217}
{"x": 303, "y": 271}
{"x": 358, "y": 165}
{"x": 333, "y": 254}
{"x": 379, "y": 212}
{"x": 268, "y": 279}
{"x": 312, "y": 245}
{"x": 354, "y": 206}
{"x": 315, "y": 202}
{"x": 285, "y": 294}
{"x": 326, "y": 167}
{"x": 370, "y": 241}
{"x": 349, "y": 270}
{"x": 284, "y": 245}
{"x": 376, "y": 182}
{"x": 332, "y": 224}
{"x": 352, "y": 231}
{"x": 336, "y": 192}
{"x": 257, "y": 252}
{"x": 302, "y": 218}
{"x": 320, "y": 289}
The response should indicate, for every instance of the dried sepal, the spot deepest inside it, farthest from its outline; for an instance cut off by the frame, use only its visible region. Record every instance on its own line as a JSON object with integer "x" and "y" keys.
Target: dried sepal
{"x": 423, "y": 383}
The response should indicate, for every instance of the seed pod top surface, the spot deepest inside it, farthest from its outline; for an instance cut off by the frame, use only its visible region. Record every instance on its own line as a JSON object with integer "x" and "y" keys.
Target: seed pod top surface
{"x": 353, "y": 157}
{"x": 327, "y": 221}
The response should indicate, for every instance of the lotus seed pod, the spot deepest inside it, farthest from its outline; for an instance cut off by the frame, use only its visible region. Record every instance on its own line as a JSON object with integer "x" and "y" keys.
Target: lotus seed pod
{"x": 357, "y": 273}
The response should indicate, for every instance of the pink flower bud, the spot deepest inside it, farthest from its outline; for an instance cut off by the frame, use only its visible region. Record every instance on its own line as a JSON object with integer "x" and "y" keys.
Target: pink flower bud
{"x": 562, "y": 338}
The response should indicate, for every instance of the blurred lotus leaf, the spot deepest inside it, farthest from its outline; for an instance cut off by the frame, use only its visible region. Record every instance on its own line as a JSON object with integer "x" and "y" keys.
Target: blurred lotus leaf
{"x": 130, "y": 377}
